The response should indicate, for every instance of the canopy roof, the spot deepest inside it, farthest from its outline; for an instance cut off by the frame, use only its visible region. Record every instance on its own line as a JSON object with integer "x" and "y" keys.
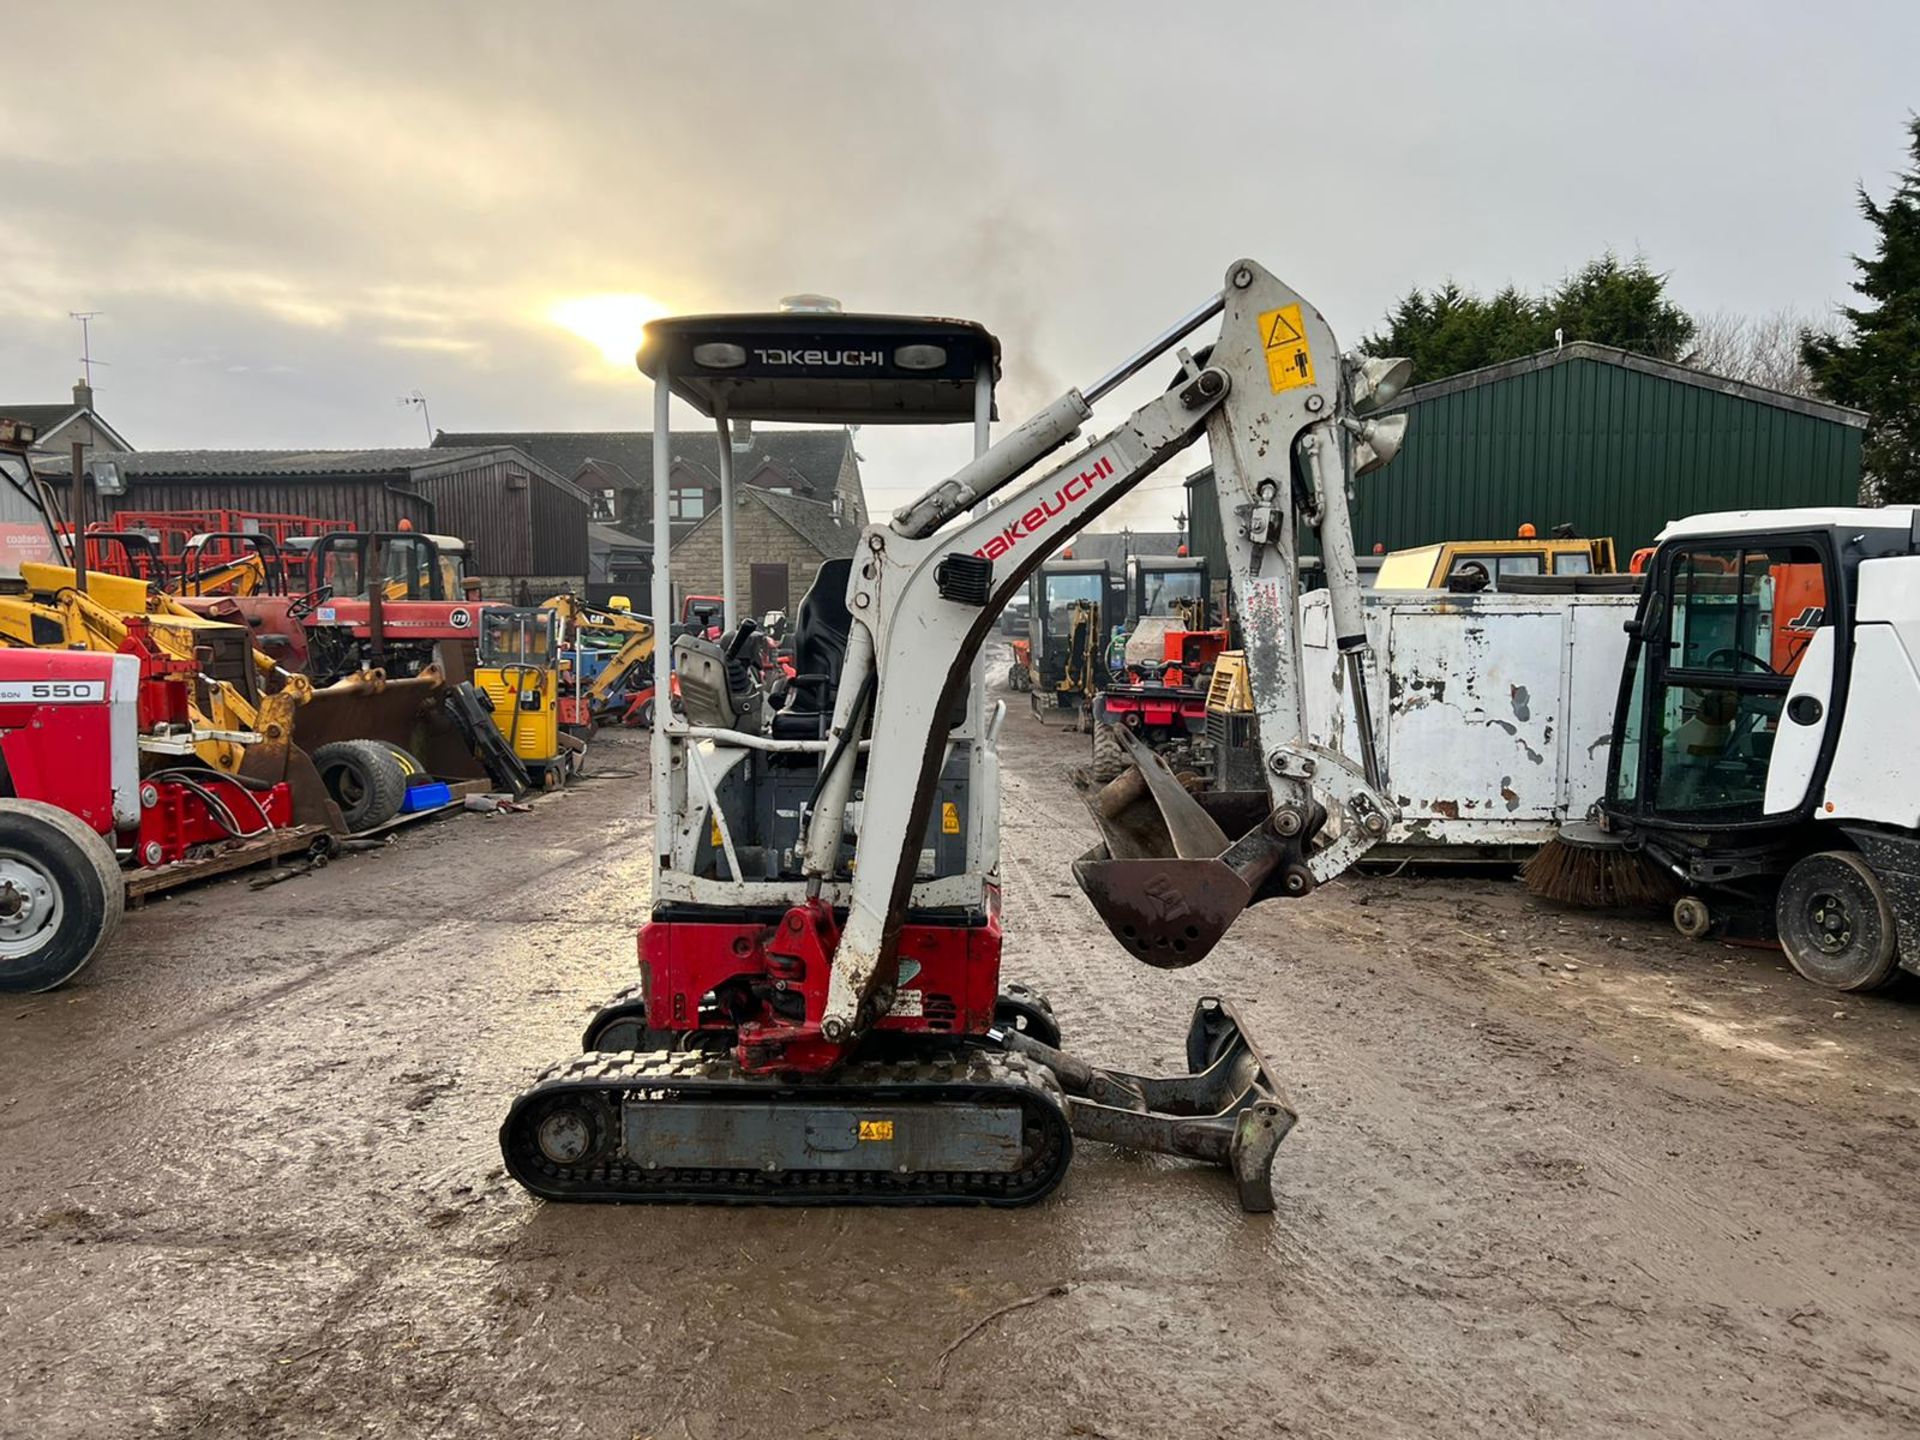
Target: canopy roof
{"x": 823, "y": 368}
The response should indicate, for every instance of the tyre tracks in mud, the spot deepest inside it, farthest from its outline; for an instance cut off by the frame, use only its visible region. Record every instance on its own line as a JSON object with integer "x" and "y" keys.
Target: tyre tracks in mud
{"x": 1488, "y": 1209}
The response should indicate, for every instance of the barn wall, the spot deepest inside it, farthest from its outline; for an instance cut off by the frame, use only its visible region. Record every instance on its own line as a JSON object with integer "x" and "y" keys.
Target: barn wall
{"x": 1610, "y": 450}
{"x": 360, "y": 501}
{"x": 559, "y": 529}
{"x": 480, "y": 504}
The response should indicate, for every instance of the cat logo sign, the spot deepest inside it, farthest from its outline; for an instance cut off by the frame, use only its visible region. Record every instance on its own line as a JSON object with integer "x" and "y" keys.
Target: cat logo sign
{"x": 949, "y": 819}
{"x": 1289, "y": 357}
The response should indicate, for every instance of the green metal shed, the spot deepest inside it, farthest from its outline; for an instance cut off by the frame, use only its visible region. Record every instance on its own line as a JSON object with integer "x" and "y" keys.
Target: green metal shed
{"x": 1610, "y": 442}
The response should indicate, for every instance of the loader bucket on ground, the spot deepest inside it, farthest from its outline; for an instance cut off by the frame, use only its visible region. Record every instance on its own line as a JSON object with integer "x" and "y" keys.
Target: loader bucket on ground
{"x": 407, "y": 713}
{"x": 1166, "y": 878}
{"x": 275, "y": 758}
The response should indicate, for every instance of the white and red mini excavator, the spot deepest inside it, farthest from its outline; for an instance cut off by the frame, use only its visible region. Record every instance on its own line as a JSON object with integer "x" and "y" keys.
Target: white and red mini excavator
{"x": 820, "y": 1016}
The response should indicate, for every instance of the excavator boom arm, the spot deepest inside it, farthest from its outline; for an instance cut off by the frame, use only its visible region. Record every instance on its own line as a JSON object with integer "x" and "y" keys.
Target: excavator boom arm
{"x": 1275, "y": 402}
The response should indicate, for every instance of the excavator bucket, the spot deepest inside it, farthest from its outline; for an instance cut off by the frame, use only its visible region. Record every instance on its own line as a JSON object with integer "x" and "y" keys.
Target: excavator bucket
{"x": 1166, "y": 877}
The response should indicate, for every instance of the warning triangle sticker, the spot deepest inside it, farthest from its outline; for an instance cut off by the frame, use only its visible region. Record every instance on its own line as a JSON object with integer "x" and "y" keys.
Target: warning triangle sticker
{"x": 1284, "y": 332}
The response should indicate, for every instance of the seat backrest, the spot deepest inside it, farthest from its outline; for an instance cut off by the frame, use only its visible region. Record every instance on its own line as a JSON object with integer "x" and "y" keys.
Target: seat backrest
{"x": 820, "y": 635}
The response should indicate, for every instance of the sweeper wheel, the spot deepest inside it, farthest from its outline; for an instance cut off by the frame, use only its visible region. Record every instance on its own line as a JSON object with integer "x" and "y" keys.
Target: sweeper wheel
{"x": 1836, "y": 924}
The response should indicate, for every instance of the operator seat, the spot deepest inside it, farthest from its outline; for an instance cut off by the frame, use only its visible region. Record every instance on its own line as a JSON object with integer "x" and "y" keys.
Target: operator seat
{"x": 819, "y": 650}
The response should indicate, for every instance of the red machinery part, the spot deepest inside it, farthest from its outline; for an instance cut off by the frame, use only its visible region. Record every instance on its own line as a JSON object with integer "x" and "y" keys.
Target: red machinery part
{"x": 69, "y": 731}
{"x": 203, "y": 808}
{"x": 949, "y": 974}
{"x": 172, "y": 529}
{"x": 1154, "y": 711}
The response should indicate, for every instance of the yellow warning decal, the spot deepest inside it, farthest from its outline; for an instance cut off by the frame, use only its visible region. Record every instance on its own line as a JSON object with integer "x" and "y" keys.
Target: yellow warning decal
{"x": 949, "y": 819}
{"x": 1289, "y": 358}
{"x": 715, "y": 840}
{"x": 876, "y": 1129}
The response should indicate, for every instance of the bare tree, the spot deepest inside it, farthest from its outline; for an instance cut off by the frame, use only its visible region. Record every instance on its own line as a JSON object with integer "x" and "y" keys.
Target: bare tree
{"x": 1760, "y": 349}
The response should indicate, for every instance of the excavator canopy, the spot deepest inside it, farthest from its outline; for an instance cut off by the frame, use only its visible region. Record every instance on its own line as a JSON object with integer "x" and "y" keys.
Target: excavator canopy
{"x": 822, "y": 367}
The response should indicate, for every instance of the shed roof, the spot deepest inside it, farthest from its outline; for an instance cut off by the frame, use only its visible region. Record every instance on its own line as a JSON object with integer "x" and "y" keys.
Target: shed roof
{"x": 47, "y": 419}
{"x": 41, "y": 417}
{"x": 610, "y": 537}
{"x": 814, "y": 520}
{"x": 814, "y": 456}
{"x": 1628, "y": 360}
{"x": 417, "y": 462}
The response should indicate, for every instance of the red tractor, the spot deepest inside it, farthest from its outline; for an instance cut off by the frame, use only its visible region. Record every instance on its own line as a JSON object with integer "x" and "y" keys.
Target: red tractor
{"x": 97, "y": 765}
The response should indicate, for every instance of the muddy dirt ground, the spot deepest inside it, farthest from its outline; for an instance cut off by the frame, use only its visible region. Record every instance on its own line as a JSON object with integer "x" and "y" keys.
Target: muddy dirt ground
{"x": 1555, "y": 1175}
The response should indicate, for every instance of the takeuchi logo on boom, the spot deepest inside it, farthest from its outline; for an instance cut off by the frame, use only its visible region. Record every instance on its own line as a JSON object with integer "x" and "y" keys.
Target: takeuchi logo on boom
{"x": 1041, "y": 515}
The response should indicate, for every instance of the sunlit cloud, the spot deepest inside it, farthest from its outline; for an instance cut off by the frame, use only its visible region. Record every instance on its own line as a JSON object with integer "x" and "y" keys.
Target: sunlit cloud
{"x": 441, "y": 344}
{"x": 610, "y": 323}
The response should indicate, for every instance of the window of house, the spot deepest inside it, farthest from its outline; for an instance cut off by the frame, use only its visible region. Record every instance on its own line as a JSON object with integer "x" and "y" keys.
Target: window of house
{"x": 687, "y": 502}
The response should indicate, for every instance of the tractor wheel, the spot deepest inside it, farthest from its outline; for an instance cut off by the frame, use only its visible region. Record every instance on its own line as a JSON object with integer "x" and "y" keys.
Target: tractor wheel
{"x": 1835, "y": 923}
{"x": 61, "y": 895}
{"x": 1017, "y": 678}
{"x": 643, "y": 718}
{"x": 1109, "y": 760}
{"x": 365, "y": 779}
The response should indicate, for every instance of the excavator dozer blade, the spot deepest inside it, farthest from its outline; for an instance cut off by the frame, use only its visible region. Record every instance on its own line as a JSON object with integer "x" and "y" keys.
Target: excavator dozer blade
{"x": 1228, "y": 1109}
{"x": 1166, "y": 878}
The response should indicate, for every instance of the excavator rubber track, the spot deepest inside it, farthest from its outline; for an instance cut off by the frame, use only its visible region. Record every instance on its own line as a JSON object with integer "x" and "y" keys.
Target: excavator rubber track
{"x": 963, "y": 1126}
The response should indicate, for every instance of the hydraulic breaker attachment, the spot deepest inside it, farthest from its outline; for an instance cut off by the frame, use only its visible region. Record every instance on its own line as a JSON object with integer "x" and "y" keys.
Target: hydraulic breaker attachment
{"x": 1166, "y": 878}
{"x": 1229, "y": 1110}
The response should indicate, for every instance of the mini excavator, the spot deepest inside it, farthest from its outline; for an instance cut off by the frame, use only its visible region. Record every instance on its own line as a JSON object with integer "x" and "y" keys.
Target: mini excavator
{"x": 820, "y": 1017}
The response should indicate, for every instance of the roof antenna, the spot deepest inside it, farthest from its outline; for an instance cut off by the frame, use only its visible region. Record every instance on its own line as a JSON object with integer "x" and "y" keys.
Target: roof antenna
{"x": 420, "y": 399}
{"x": 87, "y": 362}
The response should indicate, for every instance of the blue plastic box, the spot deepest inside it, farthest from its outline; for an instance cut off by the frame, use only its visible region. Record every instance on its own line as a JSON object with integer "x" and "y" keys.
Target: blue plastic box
{"x": 430, "y": 796}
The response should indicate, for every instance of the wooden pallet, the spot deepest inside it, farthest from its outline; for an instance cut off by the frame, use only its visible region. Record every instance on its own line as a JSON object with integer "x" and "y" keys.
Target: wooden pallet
{"x": 144, "y": 883}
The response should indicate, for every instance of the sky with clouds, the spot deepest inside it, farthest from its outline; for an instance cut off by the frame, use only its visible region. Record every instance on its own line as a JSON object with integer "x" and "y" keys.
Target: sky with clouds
{"x": 291, "y": 215}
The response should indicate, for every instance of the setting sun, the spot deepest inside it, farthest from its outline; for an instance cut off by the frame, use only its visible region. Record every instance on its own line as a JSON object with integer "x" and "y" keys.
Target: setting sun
{"x": 610, "y": 323}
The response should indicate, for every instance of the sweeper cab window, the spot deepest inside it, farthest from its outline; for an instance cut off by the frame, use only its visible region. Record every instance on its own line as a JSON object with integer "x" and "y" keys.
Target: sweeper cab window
{"x": 1720, "y": 636}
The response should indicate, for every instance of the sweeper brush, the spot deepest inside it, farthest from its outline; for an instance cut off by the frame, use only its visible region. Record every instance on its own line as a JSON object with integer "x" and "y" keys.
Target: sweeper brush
{"x": 1589, "y": 867}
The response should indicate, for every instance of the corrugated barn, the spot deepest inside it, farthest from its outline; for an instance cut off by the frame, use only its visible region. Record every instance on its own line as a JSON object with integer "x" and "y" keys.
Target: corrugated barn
{"x": 521, "y": 521}
{"x": 1609, "y": 442}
